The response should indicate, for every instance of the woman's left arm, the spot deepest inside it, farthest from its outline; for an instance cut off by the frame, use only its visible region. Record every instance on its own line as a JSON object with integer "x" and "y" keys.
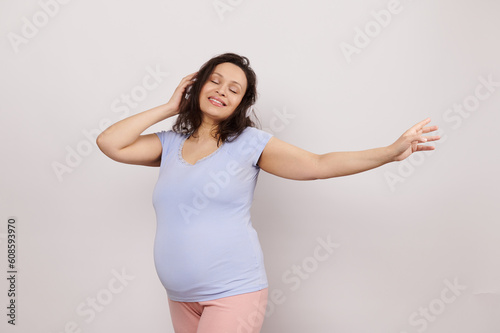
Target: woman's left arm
{"x": 285, "y": 160}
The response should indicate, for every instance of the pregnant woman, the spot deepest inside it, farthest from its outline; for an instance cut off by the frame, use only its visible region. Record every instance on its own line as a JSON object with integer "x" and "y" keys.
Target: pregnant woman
{"x": 207, "y": 253}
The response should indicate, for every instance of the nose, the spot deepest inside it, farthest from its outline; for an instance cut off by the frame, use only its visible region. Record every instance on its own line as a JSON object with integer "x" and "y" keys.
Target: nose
{"x": 221, "y": 91}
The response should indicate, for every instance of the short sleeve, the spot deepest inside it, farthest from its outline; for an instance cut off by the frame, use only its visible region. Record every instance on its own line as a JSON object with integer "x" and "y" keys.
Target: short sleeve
{"x": 166, "y": 139}
{"x": 248, "y": 146}
{"x": 261, "y": 140}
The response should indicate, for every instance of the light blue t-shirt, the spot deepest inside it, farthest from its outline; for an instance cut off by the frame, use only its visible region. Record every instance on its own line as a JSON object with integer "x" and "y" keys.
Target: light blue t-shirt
{"x": 205, "y": 246}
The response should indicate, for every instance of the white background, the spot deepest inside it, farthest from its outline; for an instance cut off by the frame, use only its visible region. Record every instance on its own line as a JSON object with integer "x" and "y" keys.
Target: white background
{"x": 404, "y": 230}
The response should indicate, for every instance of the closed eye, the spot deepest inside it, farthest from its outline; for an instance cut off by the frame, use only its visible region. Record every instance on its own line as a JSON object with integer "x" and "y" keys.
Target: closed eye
{"x": 231, "y": 90}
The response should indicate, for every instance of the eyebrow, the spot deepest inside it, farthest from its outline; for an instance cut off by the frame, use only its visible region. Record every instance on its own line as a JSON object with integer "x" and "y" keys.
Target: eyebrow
{"x": 231, "y": 81}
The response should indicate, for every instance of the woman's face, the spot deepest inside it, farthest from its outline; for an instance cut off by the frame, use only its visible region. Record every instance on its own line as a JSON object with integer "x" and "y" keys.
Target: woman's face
{"x": 223, "y": 91}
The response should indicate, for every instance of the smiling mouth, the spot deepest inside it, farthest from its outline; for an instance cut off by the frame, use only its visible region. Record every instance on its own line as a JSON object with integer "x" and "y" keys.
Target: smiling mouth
{"x": 216, "y": 102}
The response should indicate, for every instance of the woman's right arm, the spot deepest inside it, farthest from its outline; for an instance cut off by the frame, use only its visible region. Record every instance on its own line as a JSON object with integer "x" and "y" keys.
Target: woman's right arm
{"x": 123, "y": 141}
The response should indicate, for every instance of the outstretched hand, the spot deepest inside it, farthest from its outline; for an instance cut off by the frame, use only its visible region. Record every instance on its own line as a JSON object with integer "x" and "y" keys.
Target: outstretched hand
{"x": 411, "y": 140}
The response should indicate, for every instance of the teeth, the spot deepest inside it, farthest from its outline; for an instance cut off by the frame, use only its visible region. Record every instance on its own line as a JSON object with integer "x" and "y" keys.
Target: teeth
{"x": 216, "y": 101}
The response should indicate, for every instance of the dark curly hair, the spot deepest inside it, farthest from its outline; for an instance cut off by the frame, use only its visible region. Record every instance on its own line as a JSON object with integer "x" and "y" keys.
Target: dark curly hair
{"x": 190, "y": 116}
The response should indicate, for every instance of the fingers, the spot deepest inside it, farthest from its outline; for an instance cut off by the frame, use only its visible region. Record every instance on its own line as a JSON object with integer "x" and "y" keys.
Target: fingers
{"x": 415, "y": 135}
{"x": 420, "y": 129}
{"x": 429, "y": 129}
{"x": 425, "y": 148}
{"x": 186, "y": 81}
{"x": 190, "y": 76}
{"x": 421, "y": 124}
{"x": 433, "y": 138}
{"x": 424, "y": 139}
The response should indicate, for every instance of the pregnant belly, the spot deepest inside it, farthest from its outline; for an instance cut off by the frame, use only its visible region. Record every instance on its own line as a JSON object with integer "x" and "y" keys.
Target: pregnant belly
{"x": 193, "y": 262}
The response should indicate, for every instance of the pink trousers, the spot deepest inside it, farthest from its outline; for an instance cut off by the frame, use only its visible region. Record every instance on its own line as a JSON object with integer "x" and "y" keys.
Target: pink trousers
{"x": 242, "y": 313}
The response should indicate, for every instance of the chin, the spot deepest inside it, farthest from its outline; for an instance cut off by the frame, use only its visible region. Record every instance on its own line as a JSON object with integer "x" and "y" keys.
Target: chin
{"x": 214, "y": 114}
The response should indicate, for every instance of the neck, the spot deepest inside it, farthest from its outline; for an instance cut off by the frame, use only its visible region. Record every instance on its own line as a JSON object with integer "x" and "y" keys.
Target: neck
{"x": 206, "y": 131}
